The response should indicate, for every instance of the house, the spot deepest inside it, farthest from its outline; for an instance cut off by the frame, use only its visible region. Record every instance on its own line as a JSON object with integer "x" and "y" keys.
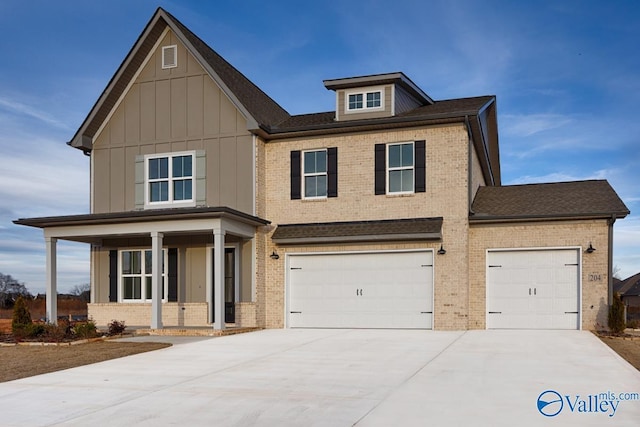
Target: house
{"x": 629, "y": 290}
{"x": 211, "y": 205}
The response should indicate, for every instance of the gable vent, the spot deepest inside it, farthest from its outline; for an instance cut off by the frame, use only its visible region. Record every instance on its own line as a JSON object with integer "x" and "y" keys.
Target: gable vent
{"x": 170, "y": 56}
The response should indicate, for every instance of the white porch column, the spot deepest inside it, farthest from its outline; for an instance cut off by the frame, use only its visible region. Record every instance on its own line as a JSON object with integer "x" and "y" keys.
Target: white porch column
{"x": 156, "y": 280}
{"x": 218, "y": 278}
{"x": 52, "y": 281}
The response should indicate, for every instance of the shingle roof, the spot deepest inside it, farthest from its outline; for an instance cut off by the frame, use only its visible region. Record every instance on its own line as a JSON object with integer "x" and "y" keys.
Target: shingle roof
{"x": 593, "y": 198}
{"x": 359, "y": 231}
{"x": 630, "y": 286}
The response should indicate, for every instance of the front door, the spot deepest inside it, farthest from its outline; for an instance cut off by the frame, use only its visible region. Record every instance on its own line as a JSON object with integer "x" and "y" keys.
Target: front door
{"x": 229, "y": 286}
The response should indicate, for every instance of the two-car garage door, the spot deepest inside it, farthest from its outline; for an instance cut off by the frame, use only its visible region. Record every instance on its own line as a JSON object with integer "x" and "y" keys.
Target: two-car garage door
{"x": 361, "y": 290}
{"x": 533, "y": 289}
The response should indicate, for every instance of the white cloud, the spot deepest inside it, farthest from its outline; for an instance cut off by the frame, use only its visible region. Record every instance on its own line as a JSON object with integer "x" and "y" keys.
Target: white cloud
{"x": 19, "y": 108}
{"x": 522, "y": 125}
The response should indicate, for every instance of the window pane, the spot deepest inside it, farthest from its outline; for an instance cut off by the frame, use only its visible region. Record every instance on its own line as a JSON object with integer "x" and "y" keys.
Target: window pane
{"x": 355, "y": 101}
{"x": 321, "y": 161}
{"x": 131, "y": 262}
{"x": 373, "y": 99}
{"x": 182, "y": 166}
{"x": 159, "y": 168}
{"x": 321, "y": 184}
{"x": 149, "y": 288}
{"x": 182, "y": 190}
{"x": 394, "y": 156}
{"x": 310, "y": 162}
{"x": 148, "y": 257}
{"x": 159, "y": 191}
{"x": 131, "y": 288}
{"x": 395, "y": 181}
{"x": 407, "y": 180}
{"x": 407, "y": 154}
{"x": 310, "y": 185}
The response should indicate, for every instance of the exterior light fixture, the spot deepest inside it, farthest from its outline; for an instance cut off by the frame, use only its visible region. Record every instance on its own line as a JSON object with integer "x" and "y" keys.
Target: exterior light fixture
{"x": 590, "y": 249}
{"x": 441, "y": 251}
{"x": 274, "y": 255}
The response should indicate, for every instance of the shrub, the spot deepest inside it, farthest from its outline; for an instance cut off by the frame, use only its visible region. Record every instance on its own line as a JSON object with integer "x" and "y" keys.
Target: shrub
{"x": 85, "y": 329}
{"x": 21, "y": 319}
{"x": 59, "y": 332}
{"x": 616, "y": 315}
{"x": 633, "y": 324}
{"x": 116, "y": 327}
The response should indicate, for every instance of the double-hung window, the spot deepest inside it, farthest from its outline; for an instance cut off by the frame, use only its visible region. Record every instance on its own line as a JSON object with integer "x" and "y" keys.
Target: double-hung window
{"x": 135, "y": 275}
{"x": 400, "y": 166}
{"x": 367, "y": 100}
{"x": 315, "y": 174}
{"x": 169, "y": 178}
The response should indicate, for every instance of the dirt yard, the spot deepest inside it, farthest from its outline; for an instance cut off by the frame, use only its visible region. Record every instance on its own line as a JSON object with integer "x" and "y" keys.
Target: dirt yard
{"x": 628, "y": 349}
{"x": 25, "y": 361}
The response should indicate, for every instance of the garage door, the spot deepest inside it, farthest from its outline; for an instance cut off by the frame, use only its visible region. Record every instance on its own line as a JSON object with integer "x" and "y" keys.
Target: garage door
{"x": 536, "y": 289}
{"x": 361, "y": 290}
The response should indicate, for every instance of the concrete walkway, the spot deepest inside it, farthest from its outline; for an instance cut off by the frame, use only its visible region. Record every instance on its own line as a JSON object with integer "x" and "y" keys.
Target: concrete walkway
{"x": 340, "y": 378}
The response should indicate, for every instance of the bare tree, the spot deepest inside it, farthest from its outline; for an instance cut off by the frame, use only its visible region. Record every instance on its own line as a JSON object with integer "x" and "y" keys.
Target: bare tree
{"x": 616, "y": 272}
{"x": 10, "y": 290}
{"x": 83, "y": 291}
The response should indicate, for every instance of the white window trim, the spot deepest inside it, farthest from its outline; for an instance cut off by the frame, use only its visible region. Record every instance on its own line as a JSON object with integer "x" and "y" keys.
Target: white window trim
{"x": 364, "y": 92}
{"x": 399, "y": 168}
{"x": 148, "y": 204}
{"x": 304, "y": 174}
{"x": 167, "y": 52}
{"x": 143, "y": 290}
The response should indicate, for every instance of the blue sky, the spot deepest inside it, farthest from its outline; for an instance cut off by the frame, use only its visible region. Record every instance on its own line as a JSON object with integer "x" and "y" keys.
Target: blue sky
{"x": 566, "y": 75}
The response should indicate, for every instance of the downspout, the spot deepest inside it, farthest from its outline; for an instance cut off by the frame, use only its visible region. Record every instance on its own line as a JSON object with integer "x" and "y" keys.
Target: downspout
{"x": 469, "y": 165}
{"x": 610, "y": 261}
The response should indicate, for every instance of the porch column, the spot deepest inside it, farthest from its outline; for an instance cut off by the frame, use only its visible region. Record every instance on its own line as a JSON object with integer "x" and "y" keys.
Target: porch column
{"x": 218, "y": 279}
{"x": 52, "y": 281}
{"x": 156, "y": 280}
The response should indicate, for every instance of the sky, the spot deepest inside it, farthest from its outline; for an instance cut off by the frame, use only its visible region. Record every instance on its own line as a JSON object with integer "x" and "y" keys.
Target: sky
{"x": 566, "y": 75}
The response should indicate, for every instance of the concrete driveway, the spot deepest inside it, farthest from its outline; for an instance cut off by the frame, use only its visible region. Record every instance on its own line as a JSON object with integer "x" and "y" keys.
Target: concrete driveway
{"x": 342, "y": 378}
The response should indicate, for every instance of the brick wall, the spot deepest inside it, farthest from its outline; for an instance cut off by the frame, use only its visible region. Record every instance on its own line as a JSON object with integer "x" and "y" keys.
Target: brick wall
{"x": 139, "y": 314}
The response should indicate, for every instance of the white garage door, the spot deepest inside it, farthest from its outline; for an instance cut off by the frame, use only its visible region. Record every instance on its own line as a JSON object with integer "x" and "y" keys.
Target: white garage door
{"x": 536, "y": 289}
{"x": 361, "y": 290}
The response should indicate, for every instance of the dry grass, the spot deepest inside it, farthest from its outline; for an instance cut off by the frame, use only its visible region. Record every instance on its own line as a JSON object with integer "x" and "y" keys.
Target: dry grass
{"x": 24, "y": 361}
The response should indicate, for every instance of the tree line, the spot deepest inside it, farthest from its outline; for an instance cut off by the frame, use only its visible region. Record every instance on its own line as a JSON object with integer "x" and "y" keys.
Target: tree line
{"x": 11, "y": 289}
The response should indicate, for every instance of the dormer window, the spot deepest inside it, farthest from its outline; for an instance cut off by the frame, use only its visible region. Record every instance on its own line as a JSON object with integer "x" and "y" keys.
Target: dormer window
{"x": 370, "y": 100}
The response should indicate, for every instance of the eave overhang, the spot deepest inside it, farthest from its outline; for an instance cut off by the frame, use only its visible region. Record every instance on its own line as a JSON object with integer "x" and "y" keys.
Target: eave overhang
{"x": 414, "y": 229}
{"x": 489, "y": 219}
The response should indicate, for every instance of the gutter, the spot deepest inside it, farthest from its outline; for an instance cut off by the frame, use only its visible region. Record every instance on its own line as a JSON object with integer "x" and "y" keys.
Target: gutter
{"x": 469, "y": 166}
{"x": 515, "y": 218}
{"x": 610, "y": 261}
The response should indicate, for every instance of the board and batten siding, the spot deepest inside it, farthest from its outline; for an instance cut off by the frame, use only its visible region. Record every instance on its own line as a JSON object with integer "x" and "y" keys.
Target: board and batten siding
{"x": 172, "y": 110}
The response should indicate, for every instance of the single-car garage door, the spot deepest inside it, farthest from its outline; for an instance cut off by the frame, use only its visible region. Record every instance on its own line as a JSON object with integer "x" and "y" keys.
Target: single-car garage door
{"x": 533, "y": 289}
{"x": 361, "y": 290}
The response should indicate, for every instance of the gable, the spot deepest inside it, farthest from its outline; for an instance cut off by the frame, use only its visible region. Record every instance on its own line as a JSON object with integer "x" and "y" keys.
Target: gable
{"x": 257, "y": 108}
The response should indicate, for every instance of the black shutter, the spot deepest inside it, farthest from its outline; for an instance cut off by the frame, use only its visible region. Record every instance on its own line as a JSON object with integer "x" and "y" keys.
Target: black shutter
{"x": 420, "y": 176}
{"x": 113, "y": 276}
{"x": 296, "y": 183}
{"x": 380, "y": 169}
{"x": 332, "y": 172}
{"x": 172, "y": 274}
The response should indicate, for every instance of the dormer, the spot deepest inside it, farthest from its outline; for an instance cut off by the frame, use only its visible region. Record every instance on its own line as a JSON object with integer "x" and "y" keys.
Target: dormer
{"x": 375, "y": 96}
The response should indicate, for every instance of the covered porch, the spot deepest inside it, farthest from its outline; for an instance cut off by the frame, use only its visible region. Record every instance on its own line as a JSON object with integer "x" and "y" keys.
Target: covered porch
{"x": 154, "y": 268}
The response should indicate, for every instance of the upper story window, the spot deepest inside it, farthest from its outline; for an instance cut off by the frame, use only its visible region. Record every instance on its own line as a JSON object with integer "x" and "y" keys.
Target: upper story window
{"x": 400, "y": 168}
{"x": 135, "y": 275}
{"x": 315, "y": 174}
{"x": 365, "y": 100}
{"x": 169, "y": 178}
